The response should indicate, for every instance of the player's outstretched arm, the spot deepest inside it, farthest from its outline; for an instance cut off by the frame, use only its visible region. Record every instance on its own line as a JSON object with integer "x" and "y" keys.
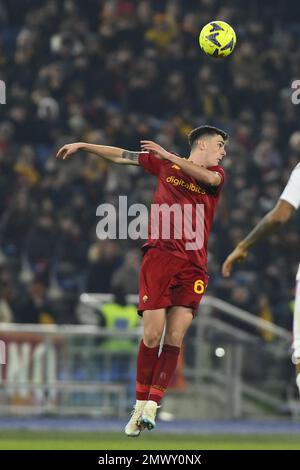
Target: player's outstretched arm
{"x": 113, "y": 154}
{"x": 271, "y": 221}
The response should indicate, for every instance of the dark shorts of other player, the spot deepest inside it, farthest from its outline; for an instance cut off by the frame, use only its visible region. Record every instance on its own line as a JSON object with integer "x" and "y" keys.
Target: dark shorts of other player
{"x": 167, "y": 280}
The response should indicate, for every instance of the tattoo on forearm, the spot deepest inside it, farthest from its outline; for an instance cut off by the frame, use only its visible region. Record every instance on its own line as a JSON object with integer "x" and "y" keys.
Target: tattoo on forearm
{"x": 133, "y": 156}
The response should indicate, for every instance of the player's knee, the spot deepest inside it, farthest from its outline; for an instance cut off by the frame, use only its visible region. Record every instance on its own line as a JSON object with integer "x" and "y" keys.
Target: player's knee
{"x": 152, "y": 338}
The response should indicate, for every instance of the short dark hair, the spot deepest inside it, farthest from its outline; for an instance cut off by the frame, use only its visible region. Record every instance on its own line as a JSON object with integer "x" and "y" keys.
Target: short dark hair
{"x": 204, "y": 131}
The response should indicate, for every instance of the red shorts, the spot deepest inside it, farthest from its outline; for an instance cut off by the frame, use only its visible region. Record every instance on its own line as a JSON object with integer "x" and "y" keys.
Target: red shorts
{"x": 167, "y": 280}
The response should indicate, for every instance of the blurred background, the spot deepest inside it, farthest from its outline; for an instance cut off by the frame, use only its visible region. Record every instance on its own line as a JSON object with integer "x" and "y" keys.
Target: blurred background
{"x": 113, "y": 72}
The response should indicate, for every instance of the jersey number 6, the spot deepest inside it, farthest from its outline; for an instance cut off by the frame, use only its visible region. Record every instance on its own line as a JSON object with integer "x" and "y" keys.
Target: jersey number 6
{"x": 199, "y": 286}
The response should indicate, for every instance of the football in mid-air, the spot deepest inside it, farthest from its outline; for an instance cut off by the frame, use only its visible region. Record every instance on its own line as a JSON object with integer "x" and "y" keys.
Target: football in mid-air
{"x": 217, "y": 39}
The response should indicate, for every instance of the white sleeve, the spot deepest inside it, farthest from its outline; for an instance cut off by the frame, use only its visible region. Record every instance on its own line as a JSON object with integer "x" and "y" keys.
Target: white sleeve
{"x": 296, "y": 326}
{"x": 291, "y": 192}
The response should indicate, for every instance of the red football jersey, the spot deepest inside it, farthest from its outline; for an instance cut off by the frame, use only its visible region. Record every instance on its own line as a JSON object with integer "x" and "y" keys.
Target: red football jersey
{"x": 182, "y": 210}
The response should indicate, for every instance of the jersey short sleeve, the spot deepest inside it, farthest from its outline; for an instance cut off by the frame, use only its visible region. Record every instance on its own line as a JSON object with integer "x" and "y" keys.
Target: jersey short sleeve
{"x": 220, "y": 170}
{"x": 150, "y": 163}
{"x": 291, "y": 192}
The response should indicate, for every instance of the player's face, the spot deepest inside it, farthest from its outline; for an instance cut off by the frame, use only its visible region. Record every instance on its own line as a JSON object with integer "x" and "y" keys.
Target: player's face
{"x": 215, "y": 147}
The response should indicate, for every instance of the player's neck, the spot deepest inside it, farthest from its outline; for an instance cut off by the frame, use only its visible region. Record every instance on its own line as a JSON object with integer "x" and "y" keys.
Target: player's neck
{"x": 197, "y": 159}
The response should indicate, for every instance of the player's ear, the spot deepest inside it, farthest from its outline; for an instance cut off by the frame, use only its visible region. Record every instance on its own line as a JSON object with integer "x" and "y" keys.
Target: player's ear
{"x": 202, "y": 144}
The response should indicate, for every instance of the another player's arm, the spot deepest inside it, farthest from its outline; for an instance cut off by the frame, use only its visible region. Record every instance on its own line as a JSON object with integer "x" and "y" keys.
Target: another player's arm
{"x": 113, "y": 154}
{"x": 298, "y": 376}
{"x": 270, "y": 222}
{"x": 208, "y": 177}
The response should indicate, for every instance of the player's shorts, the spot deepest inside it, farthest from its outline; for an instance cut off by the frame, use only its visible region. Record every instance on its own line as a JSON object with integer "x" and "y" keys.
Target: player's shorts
{"x": 167, "y": 280}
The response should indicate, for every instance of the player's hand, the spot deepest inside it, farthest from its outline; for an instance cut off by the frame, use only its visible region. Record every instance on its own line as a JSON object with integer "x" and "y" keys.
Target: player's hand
{"x": 159, "y": 151}
{"x": 238, "y": 254}
{"x": 67, "y": 150}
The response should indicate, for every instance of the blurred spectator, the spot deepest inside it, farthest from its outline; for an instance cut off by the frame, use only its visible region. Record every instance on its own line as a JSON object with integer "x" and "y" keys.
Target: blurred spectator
{"x": 41, "y": 243}
{"x": 34, "y": 307}
{"x": 103, "y": 259}
{"x": 127, "y": 276}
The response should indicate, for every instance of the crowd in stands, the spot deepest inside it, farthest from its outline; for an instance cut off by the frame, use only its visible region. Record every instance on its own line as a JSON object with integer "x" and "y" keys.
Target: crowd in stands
{"x": 116, "y": 71}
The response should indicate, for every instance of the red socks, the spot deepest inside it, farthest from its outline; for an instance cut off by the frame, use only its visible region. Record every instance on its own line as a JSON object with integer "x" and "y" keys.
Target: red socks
{"x": 146, "y": 361}
{"x": 154, "y": 373}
